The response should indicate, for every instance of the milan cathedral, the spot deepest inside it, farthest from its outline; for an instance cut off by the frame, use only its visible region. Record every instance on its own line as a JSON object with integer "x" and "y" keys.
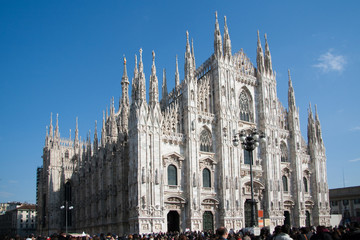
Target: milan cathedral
{"x": 170, "y": 164}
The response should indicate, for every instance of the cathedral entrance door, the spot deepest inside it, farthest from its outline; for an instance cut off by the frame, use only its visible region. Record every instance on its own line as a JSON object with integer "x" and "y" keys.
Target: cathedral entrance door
{"x": 287, "y": 220}
{"x": 173, "y": 221}
{"x": 208, "y": 221}
{"x": 248, "y": 206}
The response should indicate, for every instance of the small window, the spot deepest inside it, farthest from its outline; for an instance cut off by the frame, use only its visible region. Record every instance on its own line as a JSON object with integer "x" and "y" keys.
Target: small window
{"x": 206, "y": 178}
{"x": 357, "y": 201}
{"x": 285, "y": 183}
{"x": 172, "y": 175}
{"x": 345, "y": 202}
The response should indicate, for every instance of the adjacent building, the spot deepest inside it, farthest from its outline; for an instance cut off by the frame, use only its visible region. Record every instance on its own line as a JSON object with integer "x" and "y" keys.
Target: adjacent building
{"x": 19, "y": 221}
{"x": 346, "y": 201}
{"x": 170, "y": 164}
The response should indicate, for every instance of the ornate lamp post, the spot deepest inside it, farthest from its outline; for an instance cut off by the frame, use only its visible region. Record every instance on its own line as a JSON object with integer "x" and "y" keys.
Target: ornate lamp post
{"x": 249, "y": 141}
{"x": 67, "y": 208}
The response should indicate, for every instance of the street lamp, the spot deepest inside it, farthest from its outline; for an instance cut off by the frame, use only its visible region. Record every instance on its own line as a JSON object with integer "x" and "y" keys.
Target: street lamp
{"x": 249, "y": 141}
{"x": 67, "y": 208}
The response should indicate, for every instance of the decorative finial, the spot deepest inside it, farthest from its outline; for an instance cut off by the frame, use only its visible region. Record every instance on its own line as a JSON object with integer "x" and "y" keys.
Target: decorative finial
{"x": 153, "y": 56}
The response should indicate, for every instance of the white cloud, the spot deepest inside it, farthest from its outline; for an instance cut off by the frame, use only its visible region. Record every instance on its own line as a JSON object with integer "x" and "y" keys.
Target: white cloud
{"x": 355, "y": 160}
{"x": 330, "y": 62}
{"x": 357, "y": 128}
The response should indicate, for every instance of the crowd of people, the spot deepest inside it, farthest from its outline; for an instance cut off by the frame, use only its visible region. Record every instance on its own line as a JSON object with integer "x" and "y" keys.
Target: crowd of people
{"x": 280, "y": 233}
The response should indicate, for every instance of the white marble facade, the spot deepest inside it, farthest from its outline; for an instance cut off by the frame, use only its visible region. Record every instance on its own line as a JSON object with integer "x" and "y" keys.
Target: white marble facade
{"x": 170, "y": 164}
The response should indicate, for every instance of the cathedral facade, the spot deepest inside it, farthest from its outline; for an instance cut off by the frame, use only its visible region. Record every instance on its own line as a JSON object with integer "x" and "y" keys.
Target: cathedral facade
{"x": 170, "y": 164}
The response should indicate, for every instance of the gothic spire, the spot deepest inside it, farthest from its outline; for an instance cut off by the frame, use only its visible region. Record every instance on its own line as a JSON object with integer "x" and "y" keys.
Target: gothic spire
{"x": 134, "y": 83}
{"x": 154, "y": 86}
{"x": 164, "y": 92}
{"x": 188, "y": 59}
{"x": 124, "y": 108}
{"x": 227, "y": 41}
{"x": 259, "y": 55}
{"x": 192, "y": 53}
{"x": 95, "y": 138}
{"x": 103, "y": 132}
{"x": 188, "y": 52}
{"x": 311, "y": 127}
{"x": 268, "y": 63}
{"x": 89, "y": 139}
{"x": 57, "y": 133}
{"x": 177, "y": 76}
{"x": 291, "y": 95}
{"x": 76, "y": 132}
{"x": 318, "y": 125}
{"x": 217, "y": 38}
{"x": 125, "y": 87}
{"x": 113, "y": 125}
{"x": 141, "y": 89}
{"x": 51, "y": 127}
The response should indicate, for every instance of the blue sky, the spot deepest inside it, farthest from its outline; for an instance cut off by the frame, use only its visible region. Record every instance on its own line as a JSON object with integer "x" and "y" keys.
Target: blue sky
{"x": 66, "y": 57}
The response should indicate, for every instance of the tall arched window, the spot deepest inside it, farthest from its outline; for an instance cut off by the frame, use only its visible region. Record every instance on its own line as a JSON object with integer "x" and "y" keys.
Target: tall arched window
{"x": 68, "y": 199}
{"x": 284, "y": 152}
{"x": 245, "y": 107}
{"x": 285, "y": 183}
{"x": 306, "y": 189}
{"x": 206, "y": 178}
{"x": 206, "y": 141}
{"x": 172, "y": 175}
{"x": 68, "y": 192}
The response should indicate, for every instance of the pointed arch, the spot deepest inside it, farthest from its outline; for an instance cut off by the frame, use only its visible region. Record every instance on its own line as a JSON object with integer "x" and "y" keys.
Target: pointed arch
{"x": 206, "y": 140}
{"x": 246, "y": 105}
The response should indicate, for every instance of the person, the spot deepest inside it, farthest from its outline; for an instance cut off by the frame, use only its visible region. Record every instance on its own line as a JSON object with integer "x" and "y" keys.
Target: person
{"x": 284, "y": 233}
{"x": 305, "y": 234}
{"x": 322, "y": 233}
{"x": 222, "y": 233}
